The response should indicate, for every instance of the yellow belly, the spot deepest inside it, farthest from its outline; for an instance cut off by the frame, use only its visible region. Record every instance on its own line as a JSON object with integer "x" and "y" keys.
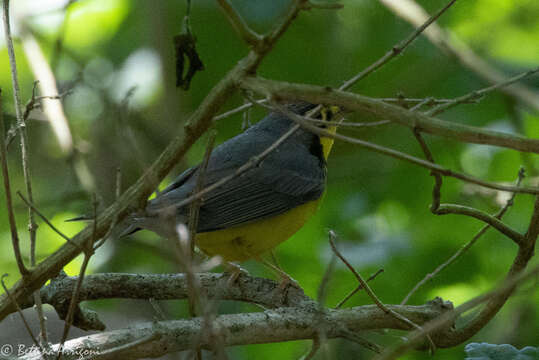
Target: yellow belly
{"x": 243, "y": 242}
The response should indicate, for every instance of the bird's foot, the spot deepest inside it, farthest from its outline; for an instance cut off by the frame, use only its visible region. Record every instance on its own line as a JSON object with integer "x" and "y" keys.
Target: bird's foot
{"x": 286, "y": 281}
{"x": 233, "y": 271}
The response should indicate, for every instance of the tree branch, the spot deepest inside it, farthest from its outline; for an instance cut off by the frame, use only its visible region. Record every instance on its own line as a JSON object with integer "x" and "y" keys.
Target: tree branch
{"x": 259, "y": 291}
{"x": 21, "y": 126}
{"x": 137, "y": 194}
{"x": 483, "y": 216}
{"x": 283, "y": 324}
{"x": 410, "y": 11}
{"x": 305, "y": 122}
{"x": 380, "y": 109}
{"x": 241, "y": 27}
{"x": 395, "y": 50}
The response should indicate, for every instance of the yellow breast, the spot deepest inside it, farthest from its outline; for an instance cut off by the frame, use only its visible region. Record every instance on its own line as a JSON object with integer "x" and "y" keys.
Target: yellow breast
{"x": 243, "y": 242}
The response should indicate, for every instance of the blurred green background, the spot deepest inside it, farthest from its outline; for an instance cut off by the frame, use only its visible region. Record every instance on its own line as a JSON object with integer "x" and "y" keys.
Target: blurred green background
{"x": 378, "y": 206}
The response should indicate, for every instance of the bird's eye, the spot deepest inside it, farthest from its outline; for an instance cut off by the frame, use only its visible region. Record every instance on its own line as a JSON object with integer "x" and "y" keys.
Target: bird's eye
{"x": 327, "y": 113}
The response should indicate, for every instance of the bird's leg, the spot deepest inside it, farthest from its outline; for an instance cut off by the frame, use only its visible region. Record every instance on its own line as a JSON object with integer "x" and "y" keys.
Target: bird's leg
{"x": 286, "y": 280}
{"x": 234, "y": 270}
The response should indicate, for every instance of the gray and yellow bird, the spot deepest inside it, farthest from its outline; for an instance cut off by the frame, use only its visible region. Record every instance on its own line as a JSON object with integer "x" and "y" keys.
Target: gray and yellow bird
{"x": 254, "y": 212}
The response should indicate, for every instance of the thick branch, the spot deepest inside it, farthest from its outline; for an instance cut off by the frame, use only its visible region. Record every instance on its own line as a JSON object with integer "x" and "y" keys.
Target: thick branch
{"x": 398, "y": 115}
{"x": 249, "y": 289}
{"x": 283, "y": 324}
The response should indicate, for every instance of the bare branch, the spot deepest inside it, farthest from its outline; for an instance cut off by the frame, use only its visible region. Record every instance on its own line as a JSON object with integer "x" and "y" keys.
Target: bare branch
{"x": 412, "y": 12}
{"x": 358, "y": 288}
{"x": 403, "y": 156}
{"x": 371, "y": 293}
{"x": 237, "y": 110}
{"x": 254, "y": 161}
{"x": 195, "y": 206}
{"x": 279, "y": 325}
{"x": 137, "y": 194}
{"x": 466, "y": 246}
{"x": 19, "y": 310}
{"x": 241, "y": 27}
{"x": 396, "y": 50}
{"x": 248, "y": 289}
{"x": 74, "y": 301}
{"x": 21, "y": 126}
{"x": 15, "y": 243}
{"x": 432, "y": 101}
{"x": 476, "y": 95}
{"x": 480, "y": 215}
{"x": 398, "y": 115}
{"x": 453, "y": 337}
{"x": 45, "y": 220}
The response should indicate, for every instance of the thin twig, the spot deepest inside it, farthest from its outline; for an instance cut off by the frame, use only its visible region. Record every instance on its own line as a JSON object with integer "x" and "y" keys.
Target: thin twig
{"x": 438, "y": 181}
{"x": 195, "y": 206}
{"x": 15, "y": 243}
{"x": 406, "y": 157}
{"x": 449, "y": 317}
{"x": 197, "y": 124}
{"x": 345, "y": 124}
{"x": 358, "y": 288}
{"x": 352, "y": 336}
{"x": 372, "y": 295}
{"x": 312, "y": 352}
{"x": 483, "y": 216}
{"x": 320, "y": 338}
{"x": 396, "y": 50}
{"x": 421, "y": 104}
{"x": 412, "y": 12}
{"x": 433, "y": 101}
{"x": 323, "y": 287}
{"x": 254, "y": 161}
{"x": 194, "y": 210}
{"x": 195, "y": 297}
{"x": 439, "y": 209}
{"x": 59, "y": 43}
{"x": 118, "y": 193}
{"x": 237, "y": 110}
{"x": 26, "y": 325}
{"x": 466, "y": 246}
{"x": 411, "y": 119}
{"x": 46, "y": 221}
{"x": 478, "y": 94}
{"x": 24, "y": 140}
{"x": 74, "y": 302}
{"x": 241, "y": 27}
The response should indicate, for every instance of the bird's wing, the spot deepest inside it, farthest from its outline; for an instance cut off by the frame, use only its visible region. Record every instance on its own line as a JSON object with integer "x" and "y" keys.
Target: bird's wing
{"x": 264, "y": 191}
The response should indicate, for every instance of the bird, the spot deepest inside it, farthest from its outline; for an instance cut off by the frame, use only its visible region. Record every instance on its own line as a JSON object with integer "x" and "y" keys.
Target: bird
{"x": 257, "y": 210}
